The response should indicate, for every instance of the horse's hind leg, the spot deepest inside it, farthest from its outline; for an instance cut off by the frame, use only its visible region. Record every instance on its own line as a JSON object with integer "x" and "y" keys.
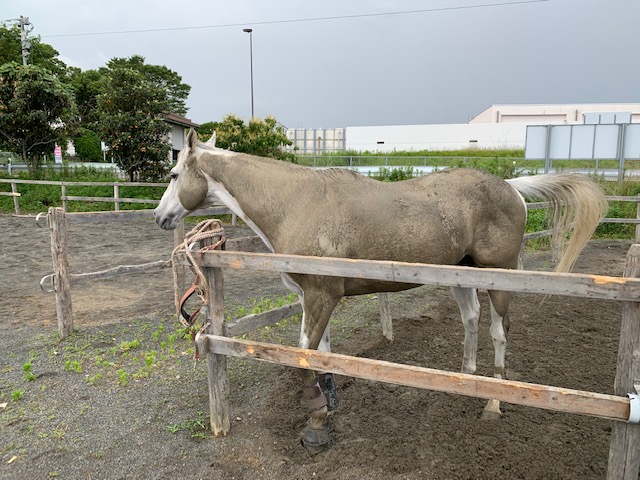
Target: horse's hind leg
{"x": 467, "y": 299}
{"x": 317, "y": 308}
{"x": 499, "y": 328}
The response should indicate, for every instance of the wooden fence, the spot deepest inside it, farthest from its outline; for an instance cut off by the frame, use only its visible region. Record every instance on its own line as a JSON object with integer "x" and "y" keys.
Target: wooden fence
{"x": 117, "y": 200}
{"x": 216, "y": 344}
{"x": 624, "y": 455}
{"x": 61, "y": 280}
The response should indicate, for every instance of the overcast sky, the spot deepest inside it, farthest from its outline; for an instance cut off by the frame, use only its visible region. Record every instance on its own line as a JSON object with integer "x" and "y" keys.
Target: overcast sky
{"x": 444, "y": 62}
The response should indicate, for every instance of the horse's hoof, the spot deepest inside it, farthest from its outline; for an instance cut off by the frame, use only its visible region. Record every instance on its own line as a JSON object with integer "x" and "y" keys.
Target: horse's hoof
{"x": 327, "y": 383}
{"x": 491, "y": 411}
{"x": 315, "y": 440}
{"x": 490, "y": 415}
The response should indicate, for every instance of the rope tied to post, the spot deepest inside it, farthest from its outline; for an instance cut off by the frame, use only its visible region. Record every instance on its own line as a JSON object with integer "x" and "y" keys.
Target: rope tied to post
{"x": 203, "y": 230}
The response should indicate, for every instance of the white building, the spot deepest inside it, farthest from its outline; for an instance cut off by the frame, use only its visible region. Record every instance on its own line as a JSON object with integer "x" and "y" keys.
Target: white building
{"x": 573, "y": 113}
{"x": 178, "y": 135}
{"x": 498, "y": 127}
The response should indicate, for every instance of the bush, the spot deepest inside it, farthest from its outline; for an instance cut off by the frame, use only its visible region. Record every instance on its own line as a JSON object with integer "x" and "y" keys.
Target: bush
{"x": 87, "y": 146}
{"x": 393, "y": 174}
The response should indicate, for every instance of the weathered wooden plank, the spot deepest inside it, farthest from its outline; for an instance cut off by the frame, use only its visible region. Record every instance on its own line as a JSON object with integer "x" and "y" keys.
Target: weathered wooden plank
{"x": 217, "y": 364}
{"x": 624, "y": 449}
{"x": 112, "y": 216}
{"x": 532, "y": 395}
{"x": 16, "y": 203}
{"x": 621, "y": 220}
{"x": 540, "y": 234}
{"x": 179, "y": 269}
{"x": 622, "y": 198}
{"x": 249, "y": 323}
{"x": 77, "y": 278}
{"x": 10, "y": 194}
{"x": 385, "y": 315}
{"x": 637, "y": 216}
{"x": 84, "y": 184}
{"x": 108, "y": 199}
{"x": 61, "y": 281}
{"x": 31, "y": 182}
{"x": 538, "y": 205}
{"x": 547, "y": 283}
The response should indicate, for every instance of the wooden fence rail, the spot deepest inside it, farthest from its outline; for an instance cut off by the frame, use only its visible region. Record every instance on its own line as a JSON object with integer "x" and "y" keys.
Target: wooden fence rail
{"x": 115, "y": 199}
{"x": 624, "y": 455}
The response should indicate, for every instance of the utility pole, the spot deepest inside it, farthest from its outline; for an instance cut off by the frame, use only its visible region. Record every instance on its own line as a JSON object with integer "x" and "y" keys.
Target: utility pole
{"x": 24, "y": 37}
{"x": 25, "y": 29}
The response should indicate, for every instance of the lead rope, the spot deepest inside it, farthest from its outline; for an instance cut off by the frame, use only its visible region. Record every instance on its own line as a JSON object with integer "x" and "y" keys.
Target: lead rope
{"x": 205, "y": 229}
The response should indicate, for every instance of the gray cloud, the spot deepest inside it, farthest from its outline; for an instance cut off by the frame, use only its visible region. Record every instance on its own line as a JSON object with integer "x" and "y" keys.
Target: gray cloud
{"x": 434, "y": 67}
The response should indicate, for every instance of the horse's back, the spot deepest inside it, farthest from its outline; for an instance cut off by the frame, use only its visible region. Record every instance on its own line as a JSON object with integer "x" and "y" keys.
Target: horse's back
{"x": 437, "y": 218}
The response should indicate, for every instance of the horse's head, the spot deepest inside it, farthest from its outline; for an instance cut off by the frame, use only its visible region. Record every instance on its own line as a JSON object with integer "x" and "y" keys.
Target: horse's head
{"x": 188, "y": 189}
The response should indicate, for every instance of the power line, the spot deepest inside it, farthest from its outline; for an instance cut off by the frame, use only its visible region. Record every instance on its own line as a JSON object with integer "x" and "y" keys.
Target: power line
{"x": 300, "y": 20}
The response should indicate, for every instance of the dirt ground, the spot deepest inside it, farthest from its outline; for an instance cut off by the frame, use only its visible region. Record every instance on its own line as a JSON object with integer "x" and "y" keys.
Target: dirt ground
{"x": 121, "y": 397}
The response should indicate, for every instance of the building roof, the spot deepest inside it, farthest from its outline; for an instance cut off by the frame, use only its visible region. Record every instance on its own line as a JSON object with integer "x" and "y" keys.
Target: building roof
{"x": 550, "y": 113}
{"x": 175, "y": 119}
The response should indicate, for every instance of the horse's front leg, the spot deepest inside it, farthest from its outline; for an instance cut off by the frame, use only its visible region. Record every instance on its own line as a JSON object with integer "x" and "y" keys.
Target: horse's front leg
{"x": 319, "y": 392}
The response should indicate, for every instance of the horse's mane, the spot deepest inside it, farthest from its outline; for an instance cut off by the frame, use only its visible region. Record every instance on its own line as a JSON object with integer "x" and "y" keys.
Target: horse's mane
{"x": 333, "y": 173}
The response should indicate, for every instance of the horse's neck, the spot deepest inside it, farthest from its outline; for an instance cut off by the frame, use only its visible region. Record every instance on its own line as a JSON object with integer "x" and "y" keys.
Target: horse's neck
{"x": 258, "y": 190}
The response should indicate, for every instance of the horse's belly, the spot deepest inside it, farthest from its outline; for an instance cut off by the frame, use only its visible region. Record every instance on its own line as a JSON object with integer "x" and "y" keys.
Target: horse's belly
{"x": 357, "y": 286}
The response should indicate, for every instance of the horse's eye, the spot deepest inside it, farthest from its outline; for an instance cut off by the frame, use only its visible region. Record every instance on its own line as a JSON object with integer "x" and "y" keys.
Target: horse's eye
{"x": 173, "y": 175}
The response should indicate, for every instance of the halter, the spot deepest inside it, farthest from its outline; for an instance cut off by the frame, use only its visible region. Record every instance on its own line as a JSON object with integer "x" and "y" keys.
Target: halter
{"x": 205, "y": 229}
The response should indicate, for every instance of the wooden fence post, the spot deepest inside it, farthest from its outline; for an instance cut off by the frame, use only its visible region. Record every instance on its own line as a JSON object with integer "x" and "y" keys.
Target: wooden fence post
{"x": 16, "y": 203}
{"x": 178, "y": 238}
{"x": 385, "y": 315}
{"x": 638, "y": 217}
{"x": 116, "y": 196}
{"x": 61, "y": 280}
{"x": 217, "y": 364}
{"x": 624, "y": 450}
{"x": 63, "y": 189}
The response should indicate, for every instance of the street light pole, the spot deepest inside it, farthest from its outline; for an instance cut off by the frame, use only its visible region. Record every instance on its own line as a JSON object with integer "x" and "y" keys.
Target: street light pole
{"x": 250, "y": 32}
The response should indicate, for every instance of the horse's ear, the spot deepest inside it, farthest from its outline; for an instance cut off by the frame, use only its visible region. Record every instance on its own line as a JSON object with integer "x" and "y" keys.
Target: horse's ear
{"x": 192, "y": 139}
{"x": 212, "y": 141}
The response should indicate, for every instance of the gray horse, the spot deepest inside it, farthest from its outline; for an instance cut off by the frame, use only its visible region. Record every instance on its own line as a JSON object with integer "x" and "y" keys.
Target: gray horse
{"x": 455, "y": 217}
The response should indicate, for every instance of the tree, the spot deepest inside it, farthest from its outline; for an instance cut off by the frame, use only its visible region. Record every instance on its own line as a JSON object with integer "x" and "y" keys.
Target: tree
{"x": 258, "y": 137}
{"x": 40, "y": 54}
{"x": 87, "y": 85}
{"x": 129, "y": 119}
{"x": 36, "y": 111}
{"x": 87, "y": 146}
{"x": 160, "y": 77}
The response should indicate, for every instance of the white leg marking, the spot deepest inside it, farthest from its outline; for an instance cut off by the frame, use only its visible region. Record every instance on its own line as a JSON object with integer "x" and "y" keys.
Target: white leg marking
{"x": 467, "y": 299}
{"x": 499, "y": 338}
{"x": 499, "y": 341}
{"x": 304, "y": 339}
{"x": 325, "y": 342}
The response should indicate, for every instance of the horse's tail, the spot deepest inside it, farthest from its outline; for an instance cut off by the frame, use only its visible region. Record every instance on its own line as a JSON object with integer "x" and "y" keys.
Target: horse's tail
{"x": 576, "y": 200}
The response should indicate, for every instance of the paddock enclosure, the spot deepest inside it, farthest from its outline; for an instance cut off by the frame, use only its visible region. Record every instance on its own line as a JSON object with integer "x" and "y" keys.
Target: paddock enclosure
{"x": 382, "y": 430}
